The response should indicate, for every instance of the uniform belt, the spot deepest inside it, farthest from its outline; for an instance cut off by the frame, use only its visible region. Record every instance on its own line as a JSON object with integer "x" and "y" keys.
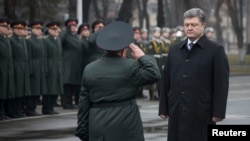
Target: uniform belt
{"x": 157, "y": 55}
{"x": 113, "y": 104}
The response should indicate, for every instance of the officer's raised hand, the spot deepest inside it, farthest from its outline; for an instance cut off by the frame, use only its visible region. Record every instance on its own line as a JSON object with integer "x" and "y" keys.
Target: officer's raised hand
{"x": 136, "y": 52}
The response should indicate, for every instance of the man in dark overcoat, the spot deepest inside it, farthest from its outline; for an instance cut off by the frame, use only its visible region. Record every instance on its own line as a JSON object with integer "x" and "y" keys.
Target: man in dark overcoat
{"x": 54, "y": 77}
{"x": 195, "y": 83}
{"x": 21, "y": 69}
{"x": 6, "y": 69}
{"x": 38, "y": 67}
{"x": 107, "y": 106}
{"x": 72, "y": 64}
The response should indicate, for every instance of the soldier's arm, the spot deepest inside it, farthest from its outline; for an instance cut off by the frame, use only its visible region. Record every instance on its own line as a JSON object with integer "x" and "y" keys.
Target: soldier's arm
{"x": 145, "y": 71}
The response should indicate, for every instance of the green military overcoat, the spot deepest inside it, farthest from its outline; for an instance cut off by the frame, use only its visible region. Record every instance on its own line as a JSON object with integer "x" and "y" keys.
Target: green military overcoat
{"x": 107, "y": 110}
{"x": 7, "y": 88}
{"x": 93, "y": 50}
{"x": 38, "y": 65}
{"x": 55, "y": 67}
{"x": 72, "y": 59}
{"x": 85, "y": 52}
{"x": 21, "y": 66}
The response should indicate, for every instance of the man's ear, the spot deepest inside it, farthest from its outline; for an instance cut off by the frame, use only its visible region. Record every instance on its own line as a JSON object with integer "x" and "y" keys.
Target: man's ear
{"x": 123, "y": 53}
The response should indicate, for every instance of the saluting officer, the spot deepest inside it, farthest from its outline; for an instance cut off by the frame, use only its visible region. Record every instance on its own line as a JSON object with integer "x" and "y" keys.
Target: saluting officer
{"x": 22, "y": 69}
{"x": 72, "y": 64}
{"x": 54, "y": 79}
{"x": 6, "y": 69}
{"x": 38, "y": 67}
{"x": 108, "y": 110}
{"x": 84, "y": 33}
{"x": 94, "y": 51}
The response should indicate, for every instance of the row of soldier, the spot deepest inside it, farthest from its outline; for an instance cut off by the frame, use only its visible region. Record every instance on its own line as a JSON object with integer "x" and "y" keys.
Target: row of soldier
{"x": 43, "y": 66}
{"x": 35, "y": 65}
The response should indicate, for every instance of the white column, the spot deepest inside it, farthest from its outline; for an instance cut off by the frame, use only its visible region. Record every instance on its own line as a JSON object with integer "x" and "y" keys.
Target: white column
{"x": 79, "y": 11}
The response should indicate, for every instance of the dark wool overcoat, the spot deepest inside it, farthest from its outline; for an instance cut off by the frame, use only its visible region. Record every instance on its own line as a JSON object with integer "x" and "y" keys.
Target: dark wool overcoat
{"x": 21, "y": 66}
{"x": 55, "y": 65}
{"x": 38, "y": 65}
{"x": 194, "y": 89}
{"x": 107, "y": 110}
{"x": 93, "y": 50}
{"x": 7, "y": 87}
{"x": 72, "y": 59}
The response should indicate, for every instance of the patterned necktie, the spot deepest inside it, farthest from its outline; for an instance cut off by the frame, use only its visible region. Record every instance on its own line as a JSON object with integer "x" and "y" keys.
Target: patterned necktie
{"x": 190, "y": 45}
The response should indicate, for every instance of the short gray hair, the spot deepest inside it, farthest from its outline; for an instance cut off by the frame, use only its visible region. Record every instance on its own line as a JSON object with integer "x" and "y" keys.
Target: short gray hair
{"x": 195, "y": 12}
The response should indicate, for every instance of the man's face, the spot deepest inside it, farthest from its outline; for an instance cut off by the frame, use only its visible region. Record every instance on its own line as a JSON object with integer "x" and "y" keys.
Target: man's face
{"x": 19, "y": 31}
{"x": 144, "y": 35}
{"x": 193, "y": 28}
{"x": 137, "y": 36}
{"x": 73, "y": 28}
{"x": 37, "y": 31}
{"x": 98, "y": 27}
{"x": 4, "y": 29}
{"x": 54, "y": 32}
{"x": 85, "y": 33}
{"x": 165, "y": 34}
{"x": 210, "y": 34}
{"x": 157, "y": 34}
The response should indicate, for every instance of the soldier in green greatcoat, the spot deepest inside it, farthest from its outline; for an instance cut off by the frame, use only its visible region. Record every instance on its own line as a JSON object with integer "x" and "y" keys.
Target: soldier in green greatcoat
{"x": 54, "y": 77}
{"x": 84, "y": 33}
{"x": 72, "y": 64}
{"x": 6, "y": 69}
{"x": 94, "y": 51}
{"x": 38, "y": 67}
{"x": 107, "y": 106}
{"x": 21, "y": 69}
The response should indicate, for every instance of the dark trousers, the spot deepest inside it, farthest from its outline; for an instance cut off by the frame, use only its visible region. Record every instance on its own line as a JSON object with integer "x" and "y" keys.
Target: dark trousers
{"x": 31, "y": 103}
{"x": 70, "y": 91}
{"x": 15, "y": 107}
{"x": 2, "y": 109}
{"x": 48, "y": 103}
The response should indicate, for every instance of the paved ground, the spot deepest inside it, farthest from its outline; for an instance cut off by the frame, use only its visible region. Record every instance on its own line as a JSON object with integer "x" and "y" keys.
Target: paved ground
{"x": 61, "y": 127}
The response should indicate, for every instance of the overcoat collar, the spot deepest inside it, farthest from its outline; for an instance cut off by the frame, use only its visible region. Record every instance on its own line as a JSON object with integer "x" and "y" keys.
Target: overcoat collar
{"x": 200, "y": 43}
